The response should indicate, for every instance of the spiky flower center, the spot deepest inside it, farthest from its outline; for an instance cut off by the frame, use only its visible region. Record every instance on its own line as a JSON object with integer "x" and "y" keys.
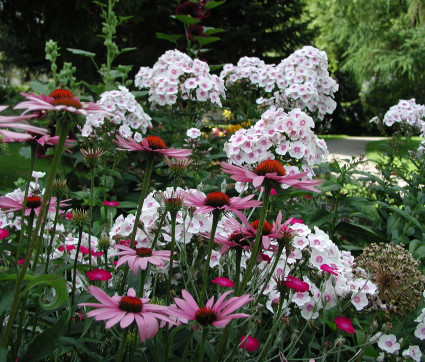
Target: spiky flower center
{"x": 143, "y": 252}
{"x": 33, "y": 202}
{"x": 156, "y": 143}
{"x": 239, "y": 239}
{"x": 63, "y": 97}
{"x": 205, "y": 316}
{"x": 217, "y": 199}
{"x": 131, "y": 304}
{"x": 270, "y": 166}
{"x": 267, "y": 228}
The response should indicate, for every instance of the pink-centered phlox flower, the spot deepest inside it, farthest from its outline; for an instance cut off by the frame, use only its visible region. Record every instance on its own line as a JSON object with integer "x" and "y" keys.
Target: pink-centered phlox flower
{"x": 249, "y": 343}
{"x": 4, "y": 234}
{"x": 58, "y": 100}
{"x": 126, "y": 310}
{"x": 296, "y": 284}
{"x": 139, "y": 258}
{"x": 219, "y": 201}
{"x": 224, "y": 282}
{"x": 17, "y": 122}
{"x": 99, "y": 274}
{"x": 152, "y": 144}
{"x": 344, "y": 324}
{"x": 329, "y": 269}
{"x": 269, "y": 170}
{"x": 218, "y": 314}
{"x": 111, "y": 203}
{"x": 15, "y": 202}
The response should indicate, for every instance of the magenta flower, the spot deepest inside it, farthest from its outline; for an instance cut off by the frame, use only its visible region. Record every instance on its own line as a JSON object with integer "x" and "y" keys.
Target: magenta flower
{"x": 15, "y": 202}
{"x": 219, "y": 201}
{"x": 99, "y": 274}
{"x": 126, "y": 310}
{"x": 269, "y": 170}
{"x": 152, "y": 144}
{"x": 4, "y": 234}
{"x": 111, "y": 203}
{"x": 67, "y": 247}
{"x": 58, "y": 100}
{"x": 17, "y": 122}
{"x": 224, "y": 282}
{"x": 298, "y": 285}
{"x": 344, "y": 324}
{"x": 328, "y": 269}
{"x": 218, "y": 314}
{"x": 249, "y": 343}
{"x": 139, "y": 258}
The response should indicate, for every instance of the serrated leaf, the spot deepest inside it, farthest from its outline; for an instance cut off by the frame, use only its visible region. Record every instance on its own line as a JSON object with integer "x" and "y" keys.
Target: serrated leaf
{"x": 204, "y": 41}
{"x": 186, "y": 19}
{"x": 81, "y": 52}
{"x": 170, "y": 37}
{"x": 213, "y": 4}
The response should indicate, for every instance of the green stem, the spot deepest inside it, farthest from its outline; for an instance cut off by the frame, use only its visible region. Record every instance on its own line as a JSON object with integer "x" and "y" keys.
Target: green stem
{"x": 49, "y": 250}
{"x": 238, "y": 267}
{"x": 91, "y": 210}
{"x": 145, "y": 188}
{"x": 123, "y": 344}
{"x": 34, "y": 146}
{"x": 64, "y": 126}
{"x": 173, "y": 243}
{"x": 40, "y": 238}
{"x": 216, "y": 216}
{"x": 257, "y": 243}
{"x": 202, "y": 346}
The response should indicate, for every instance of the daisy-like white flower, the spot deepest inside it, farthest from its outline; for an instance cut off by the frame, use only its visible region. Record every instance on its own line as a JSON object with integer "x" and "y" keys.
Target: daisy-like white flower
{"x": 218, "y": 314}
{"x": 151, "y": 144}
{"x": 269, "y": 170}
{"x": 126, "y": 310}
{"x": 15, "y": 202}
{"x": 17, "y": 122}
{"x": 58, "y": 100}
{"x": 344, "y": 324}
{"x": 219, "y": 201}
{"x": 139, "y": 258}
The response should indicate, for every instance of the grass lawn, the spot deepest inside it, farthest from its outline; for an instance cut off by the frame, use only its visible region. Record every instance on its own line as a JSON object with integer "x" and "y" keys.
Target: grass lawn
{"x": 14, "y": 164}
{"x": 329, "y": 137}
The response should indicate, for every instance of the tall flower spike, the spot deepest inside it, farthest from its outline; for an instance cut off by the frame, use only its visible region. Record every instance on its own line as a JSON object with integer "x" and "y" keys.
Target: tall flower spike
{"x": 151, "y": 144}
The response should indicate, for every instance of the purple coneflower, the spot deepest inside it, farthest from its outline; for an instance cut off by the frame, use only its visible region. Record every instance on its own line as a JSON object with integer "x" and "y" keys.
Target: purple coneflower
{"x": 15, "y": 202}
{"x": 151, "y": 144}
{"x": 219, "y": 201}
{"x": 218, "y": 314}
{"x": 269, "y": 170}
{"x": 138, "y": 258}
{"x": 127, "y": 309}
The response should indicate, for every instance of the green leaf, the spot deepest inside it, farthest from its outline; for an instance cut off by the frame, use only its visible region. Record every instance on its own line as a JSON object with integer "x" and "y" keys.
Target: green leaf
{"x": 127, "y": 205}
{"x": 203, "y": 41}
{"x": 317, "y": 217}
{"x": 364, "y": 206}
{"x": 55, "y": 281}
{"x": 40, "y": 88}
{"x": 186, "y": 19}
{"x": 170, "y": 37}
{"x": 79, "y": 345}
{"x": 352, "y": 231}
{"x": 81, "y": 52}
{"x": 329, "y": 185}
{"x": 211, "y": 31}
{"x": 125, "y": 50}
{"x": 213, "y": 4}
{"x": 6, "y": 301}
{"x": 25, "y": 152}
{"x": 402, "y": 213}
{"x": 417, "y": 248}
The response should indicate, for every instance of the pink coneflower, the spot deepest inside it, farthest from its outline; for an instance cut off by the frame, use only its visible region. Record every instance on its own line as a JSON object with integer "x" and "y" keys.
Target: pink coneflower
{"x": 224, "y": 282}
{"x": 126, "y": 310}
{"x": 15, "y": 202}
{"x": 269, "y": 170}
{"x": 249, "y": 343}
{"x": 151, "y": 144}
{"x": 58, "y": 100}
{"x": 111, "y": 203}
{"x": 4, "y": 234}
{"x": 218, "y": 314}
{"x": 329, "y": 269}
{"x": 345, "y": 324}
{"x": 53, "y": 140}
{"x": 99, "y": 274}
{"x": 235, "y": 240}
{"x": 139, "y": 258}
{"x": 296, "y": 284}
{"x": 219, "y": 201}
{"x": 17, "y": 122}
